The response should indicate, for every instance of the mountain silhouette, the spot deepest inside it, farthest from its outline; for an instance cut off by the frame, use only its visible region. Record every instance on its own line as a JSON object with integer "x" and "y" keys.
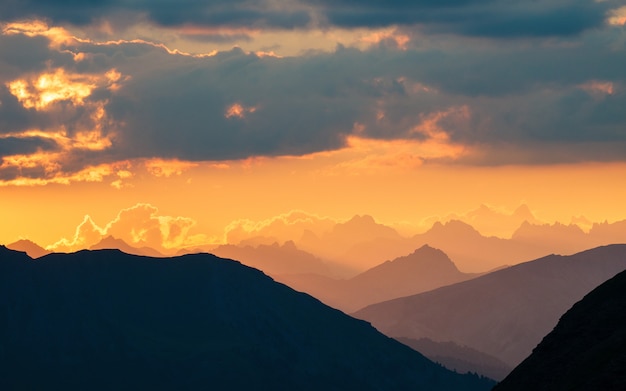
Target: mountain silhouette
{"x": 112, "y": 243}
{"x": 461, "y": 359}
{"x": 504, "y": 313}
{"x": 103, "y": 320}
{"x": 424, "y": 269}
{"x": 585, "y": 351}
{"x": 29, "y": 247}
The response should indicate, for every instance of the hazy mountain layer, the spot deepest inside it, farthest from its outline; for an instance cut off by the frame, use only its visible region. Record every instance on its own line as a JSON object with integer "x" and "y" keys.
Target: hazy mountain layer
{"x": 423, "y": 270}
{"x": 103, "y": 320}
{"x": 459, "y": 358}
{"x": 275, "y": 259}
{"x": 504, "y": 313}
{"x": 585, "y": 351}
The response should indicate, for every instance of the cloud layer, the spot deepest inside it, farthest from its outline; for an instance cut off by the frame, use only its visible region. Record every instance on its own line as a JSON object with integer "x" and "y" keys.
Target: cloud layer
{"x": 492, "y": 18}
{"x": 536, "y": 83}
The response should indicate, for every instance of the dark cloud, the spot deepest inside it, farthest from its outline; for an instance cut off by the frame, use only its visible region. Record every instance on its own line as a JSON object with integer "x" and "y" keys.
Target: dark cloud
{"x": 241, "y": 13}
{"x": 13, "y": 116}
{"x": 308, "y": 104}
{"x": 485, "y": 18}
{"x": 25, "y": 145}
{"x": 73, "y": 11}
{"x": 488, "y": 18}
{"x": 295, "y": 107}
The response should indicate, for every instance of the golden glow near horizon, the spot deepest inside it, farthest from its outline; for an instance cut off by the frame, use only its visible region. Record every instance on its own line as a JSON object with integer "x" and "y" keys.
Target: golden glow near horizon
{"x": 63, "y": 186}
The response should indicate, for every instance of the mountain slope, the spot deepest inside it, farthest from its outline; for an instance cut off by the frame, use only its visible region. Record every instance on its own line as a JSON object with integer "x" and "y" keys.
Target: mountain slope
{"x": 102, "y": 320}
{"x": 424, "y": 269}
{"x": 504, "y": 313}
{"x": 29, "y": 247}
{"x": 585, "y": 351}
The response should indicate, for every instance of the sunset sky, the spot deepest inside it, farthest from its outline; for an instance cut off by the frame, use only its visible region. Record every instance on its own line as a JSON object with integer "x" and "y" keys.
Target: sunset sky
{"x": 172, "y": 122}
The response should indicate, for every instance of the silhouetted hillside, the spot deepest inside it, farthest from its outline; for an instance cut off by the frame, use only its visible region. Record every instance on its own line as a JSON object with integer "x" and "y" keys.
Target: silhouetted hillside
{"x": 459, "y": 358}
{"x": 29, "y": 247}
{"x": 105, "y": 320}
{"x": 504, "y": 313}
{"x": 424, "y": 269}
{"x": 585, "y": 351}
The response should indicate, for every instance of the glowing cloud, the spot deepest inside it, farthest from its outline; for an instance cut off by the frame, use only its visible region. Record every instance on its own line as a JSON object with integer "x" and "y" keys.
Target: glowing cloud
{"x": 618, "y": 17}
{"x": 87, "y": 234}
{"x": 139, "y": 226}
{"x": 237, "y": 110}
{"x": 389, "y": 34}
{"x": 598, "y": 88}
{"x": 58, "y": 36}
{"x": 40, "y": 91}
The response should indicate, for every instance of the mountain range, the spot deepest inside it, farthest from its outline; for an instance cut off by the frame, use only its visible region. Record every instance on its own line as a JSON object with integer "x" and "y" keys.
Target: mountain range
{"x": 103, "y": 320}
{"x": 360, "y": 243}
{"x": 424, "y": 269}
{"x": 585, "y": 351}
{"x": 504, "y": 313}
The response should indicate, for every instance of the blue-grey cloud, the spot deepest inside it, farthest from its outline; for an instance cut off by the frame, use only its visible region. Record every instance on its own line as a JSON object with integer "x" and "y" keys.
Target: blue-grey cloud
{"x": 485, "y": 18}
{"x": 241, "y": 13}
{"x": 490, "y": 18}
{"x": 25, "y": 145}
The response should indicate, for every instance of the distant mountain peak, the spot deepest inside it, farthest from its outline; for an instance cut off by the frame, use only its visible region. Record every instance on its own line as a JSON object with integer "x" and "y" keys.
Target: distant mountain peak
{"x": 453, "y": 226}
{"x": 29, "y": 247}
{"x": 428, "y": 256}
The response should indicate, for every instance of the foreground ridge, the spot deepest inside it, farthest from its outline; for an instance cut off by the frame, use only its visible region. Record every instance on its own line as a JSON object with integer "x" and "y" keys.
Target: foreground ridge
{"x": 104, "y": 320}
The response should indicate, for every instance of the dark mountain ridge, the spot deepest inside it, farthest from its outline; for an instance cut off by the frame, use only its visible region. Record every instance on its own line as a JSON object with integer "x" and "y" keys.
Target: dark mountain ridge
{"x": 103, "y": 320}
{"x": 585, "y": 351}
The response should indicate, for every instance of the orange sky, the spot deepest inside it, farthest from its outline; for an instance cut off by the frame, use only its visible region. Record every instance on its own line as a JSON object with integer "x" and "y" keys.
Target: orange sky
{"x": 214, "y": 197}
{"x": 191, "y": 125}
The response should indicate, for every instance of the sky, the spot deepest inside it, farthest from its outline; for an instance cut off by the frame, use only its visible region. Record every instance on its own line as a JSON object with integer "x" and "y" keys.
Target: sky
{"x": 172, "y": 122}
